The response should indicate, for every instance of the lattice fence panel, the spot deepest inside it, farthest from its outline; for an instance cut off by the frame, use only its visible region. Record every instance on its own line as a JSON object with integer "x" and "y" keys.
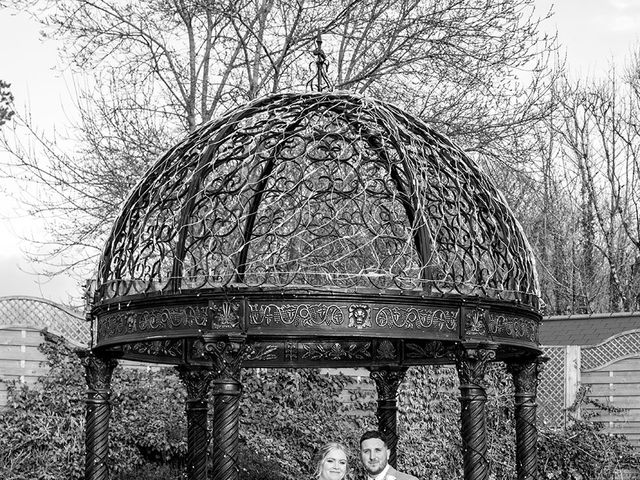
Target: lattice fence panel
{"x": 615, "y": 348}
{"x": 551, "y": 391}
{"x": 40, "y": 313}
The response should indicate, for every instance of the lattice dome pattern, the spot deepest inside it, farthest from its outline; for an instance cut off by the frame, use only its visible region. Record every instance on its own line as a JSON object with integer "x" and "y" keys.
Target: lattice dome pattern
{"x": 326, "y": 190}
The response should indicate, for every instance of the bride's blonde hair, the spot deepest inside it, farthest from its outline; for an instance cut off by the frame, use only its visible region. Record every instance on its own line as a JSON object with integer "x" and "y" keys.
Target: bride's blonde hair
{"x": 322, "y": 453}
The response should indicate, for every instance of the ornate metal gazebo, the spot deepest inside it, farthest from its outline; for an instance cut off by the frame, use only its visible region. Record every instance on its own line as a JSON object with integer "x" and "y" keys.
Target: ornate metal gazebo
{"x": 315, "y": 229}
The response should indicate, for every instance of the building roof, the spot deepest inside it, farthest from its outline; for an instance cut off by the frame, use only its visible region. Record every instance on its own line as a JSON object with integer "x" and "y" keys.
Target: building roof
{"x": 586, "y": 329}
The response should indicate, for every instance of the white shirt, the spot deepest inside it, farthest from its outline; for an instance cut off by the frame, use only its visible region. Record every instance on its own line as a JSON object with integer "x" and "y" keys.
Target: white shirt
{"x": 381, "y": 475}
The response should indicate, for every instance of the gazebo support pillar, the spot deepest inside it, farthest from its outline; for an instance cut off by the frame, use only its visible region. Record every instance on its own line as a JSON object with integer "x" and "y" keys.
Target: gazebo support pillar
{"x": 98, "y": 373}
{"x": 196, "y": 381}
{"x": 525, "y": 380}
{"x": 227, "y": 390}
{"x": 471, "y": 363}
{"x": 387, "y": 381}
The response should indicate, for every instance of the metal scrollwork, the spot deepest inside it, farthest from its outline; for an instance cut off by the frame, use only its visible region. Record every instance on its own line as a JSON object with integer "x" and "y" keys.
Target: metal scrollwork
{"x": 511, "y": 326}
{"x": 417, "y": 318}
{"x": 151, "y": 320}
{"x": 317, "y": 189}
{"x": 297, "y": 315}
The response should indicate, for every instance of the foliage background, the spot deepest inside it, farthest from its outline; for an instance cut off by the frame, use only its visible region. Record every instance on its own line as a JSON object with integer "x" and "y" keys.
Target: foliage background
{"x": 286, "y": 415}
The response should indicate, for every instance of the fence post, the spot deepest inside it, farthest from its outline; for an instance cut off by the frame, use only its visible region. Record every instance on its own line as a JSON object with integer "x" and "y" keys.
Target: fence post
{"x": 571, "y": 378}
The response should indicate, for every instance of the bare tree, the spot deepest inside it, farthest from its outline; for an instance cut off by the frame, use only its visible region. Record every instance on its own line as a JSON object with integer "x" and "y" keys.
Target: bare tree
{"x": 6, "y": 103}
{"x": 600, "y": 146}
{"x": 159, "y": 69}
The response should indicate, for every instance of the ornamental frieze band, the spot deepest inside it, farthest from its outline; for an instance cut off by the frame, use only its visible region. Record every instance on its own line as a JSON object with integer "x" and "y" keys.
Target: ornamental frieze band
{"x": 336, "y": 351}
{"x": 513, "y": 327}
{"x": 480, "y": 322}
{"x": 158, "y": 319}
{"x": 353, "y": 316}
{"x": 417, "y": 318}
{"x": 297, "y": 315}
{"x": 158, "y": 348}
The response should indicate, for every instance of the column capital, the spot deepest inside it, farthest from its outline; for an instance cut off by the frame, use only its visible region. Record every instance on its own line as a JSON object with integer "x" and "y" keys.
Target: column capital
{"x": 471, "y": 362}
{"x": 196, "y": 379}
{"x": 526, "y": 374}
{"x": 98, "y": 370}
{"x": 387, "y": 380}
{"x": 227, "y": 355}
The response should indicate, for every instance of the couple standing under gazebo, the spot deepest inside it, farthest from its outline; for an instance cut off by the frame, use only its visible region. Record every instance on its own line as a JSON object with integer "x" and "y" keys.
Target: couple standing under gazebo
{"x": 332, "y": 461}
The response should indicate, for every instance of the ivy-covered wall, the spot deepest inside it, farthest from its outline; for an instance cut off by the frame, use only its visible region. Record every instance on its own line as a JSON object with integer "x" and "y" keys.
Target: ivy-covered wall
{"x": 286, "y": 414}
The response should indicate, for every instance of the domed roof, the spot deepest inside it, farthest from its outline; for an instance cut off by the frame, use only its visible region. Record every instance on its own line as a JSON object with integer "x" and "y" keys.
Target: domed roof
{"x": 317, "y": 191}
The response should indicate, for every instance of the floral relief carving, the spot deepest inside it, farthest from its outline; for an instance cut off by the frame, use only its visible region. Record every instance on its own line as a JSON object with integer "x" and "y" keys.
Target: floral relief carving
{"x": 225, "y": 315}
{"x": 471, "y": 364}
{"x": 336, "y": 351}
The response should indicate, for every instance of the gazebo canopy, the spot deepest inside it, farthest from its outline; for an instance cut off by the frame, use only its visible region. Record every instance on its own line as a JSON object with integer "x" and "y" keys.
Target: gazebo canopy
{"x": 321, "y": 228}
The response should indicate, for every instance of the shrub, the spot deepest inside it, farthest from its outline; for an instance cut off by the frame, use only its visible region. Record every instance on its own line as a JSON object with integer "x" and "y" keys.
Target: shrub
{"x": 583, "y": 451}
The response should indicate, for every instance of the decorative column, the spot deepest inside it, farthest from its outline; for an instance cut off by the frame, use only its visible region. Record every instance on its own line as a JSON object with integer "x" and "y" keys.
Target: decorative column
{"x": 98, "y": 373}
{"x": 525, "y": 380}
{"x": 471, "y": 363}
{"x": 388, "y": 379}
{"x": 197, "y": 381}
{"x": 227, "y": 389}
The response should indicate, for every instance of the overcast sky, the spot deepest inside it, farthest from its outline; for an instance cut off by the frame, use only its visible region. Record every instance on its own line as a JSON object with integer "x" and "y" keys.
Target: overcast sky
{"x": 594, "y": 34}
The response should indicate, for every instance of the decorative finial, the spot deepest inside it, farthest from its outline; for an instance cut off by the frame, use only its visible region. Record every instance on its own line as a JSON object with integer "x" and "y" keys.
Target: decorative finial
{"x": 320, "y": 80}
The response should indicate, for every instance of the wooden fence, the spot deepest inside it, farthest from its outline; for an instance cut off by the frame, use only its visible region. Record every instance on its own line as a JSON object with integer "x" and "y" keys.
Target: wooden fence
{"x": 20, "y": 359}
{"x": 21, "y": 321}
{"x": 607, "y": 374}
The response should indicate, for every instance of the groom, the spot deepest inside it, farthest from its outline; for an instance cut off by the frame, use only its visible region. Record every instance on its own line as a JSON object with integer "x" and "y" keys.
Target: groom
{"x": 374, "y": 453}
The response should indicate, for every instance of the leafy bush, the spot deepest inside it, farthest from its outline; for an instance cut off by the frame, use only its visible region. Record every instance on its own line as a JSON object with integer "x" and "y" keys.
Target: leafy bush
{"x": 41, "y": 430}
{"x": 583, "y": 451}
{"x": 288, "y": 414}
{"x": 285, "y": 416}
{"x": 430, "y": 445}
